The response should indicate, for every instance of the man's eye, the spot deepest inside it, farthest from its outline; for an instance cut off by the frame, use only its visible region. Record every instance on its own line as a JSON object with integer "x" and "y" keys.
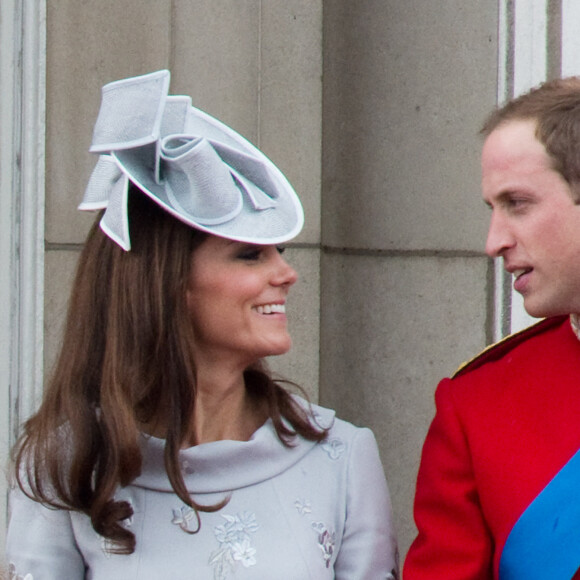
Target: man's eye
{"x": 517, "y": 203}
{"x": 281, "y": 249}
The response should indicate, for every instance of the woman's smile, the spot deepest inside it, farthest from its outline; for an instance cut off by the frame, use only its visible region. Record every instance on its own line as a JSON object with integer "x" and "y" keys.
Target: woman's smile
{"x": 237, "y": 300}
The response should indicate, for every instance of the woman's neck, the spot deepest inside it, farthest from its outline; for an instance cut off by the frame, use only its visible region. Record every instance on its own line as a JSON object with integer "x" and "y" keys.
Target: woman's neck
{"x": 225, "y": 411}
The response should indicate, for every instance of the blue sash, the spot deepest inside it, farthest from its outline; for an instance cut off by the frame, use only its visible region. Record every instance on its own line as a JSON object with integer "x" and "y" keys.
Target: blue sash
{"x": 545, "y": 541}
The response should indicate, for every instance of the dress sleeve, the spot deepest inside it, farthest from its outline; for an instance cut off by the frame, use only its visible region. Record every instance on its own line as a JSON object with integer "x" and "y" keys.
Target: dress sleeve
{"x": 369, "y": 546}
{"x": 40, "y": 543}
{"x": 453, "y": 542}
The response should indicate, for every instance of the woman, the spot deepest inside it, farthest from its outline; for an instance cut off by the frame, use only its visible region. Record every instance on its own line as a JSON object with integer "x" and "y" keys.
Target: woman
{"x": 163, "y": 448}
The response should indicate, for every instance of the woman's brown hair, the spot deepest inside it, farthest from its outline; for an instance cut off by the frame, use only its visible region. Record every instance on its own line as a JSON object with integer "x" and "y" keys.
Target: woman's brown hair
{"x": 126, "y": 354}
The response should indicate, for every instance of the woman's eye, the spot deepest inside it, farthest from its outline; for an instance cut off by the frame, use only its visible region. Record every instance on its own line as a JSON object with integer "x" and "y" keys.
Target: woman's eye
{"x": 250, "y": 255}
{"x": 256, "y": 253}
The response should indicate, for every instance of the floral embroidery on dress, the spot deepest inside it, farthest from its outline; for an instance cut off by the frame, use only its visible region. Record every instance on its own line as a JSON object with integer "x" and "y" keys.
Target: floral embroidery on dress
{"x": 13, "y": 575}
{"x": 326, "y": 541}
{"x": 186, "y": 467}
{"x": 234, "y": 537}
{"x": 303, "y": 506}
{"x": 334, "y": 447}
{"x": 244, "y": 553}
{"x": 326, "y": 538}
{"x": 395, "y": 573}
{"x": 182, "y": 518}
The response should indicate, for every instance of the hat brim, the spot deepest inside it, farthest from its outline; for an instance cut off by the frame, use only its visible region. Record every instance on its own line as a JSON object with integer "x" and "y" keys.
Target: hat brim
{"x": 274, "y": 225}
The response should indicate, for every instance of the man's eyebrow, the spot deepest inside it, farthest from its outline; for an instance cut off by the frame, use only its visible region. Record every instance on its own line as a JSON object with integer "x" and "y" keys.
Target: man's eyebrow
{"x": 502, "y": 196}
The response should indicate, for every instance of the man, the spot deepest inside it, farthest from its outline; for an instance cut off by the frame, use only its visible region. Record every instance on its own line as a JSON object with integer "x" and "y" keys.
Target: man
{"x": 498, "y": 491}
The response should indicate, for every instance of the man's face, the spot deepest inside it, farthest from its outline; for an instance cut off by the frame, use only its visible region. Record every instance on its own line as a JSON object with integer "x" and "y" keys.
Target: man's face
{"x": 535, "y": 223}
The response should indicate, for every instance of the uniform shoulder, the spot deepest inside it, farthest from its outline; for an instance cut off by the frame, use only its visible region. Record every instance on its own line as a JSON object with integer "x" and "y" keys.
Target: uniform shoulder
{"x": 498, "y": 350}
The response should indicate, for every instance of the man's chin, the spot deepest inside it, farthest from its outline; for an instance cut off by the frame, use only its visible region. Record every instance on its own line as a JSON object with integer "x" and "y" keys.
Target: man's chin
{"x": 539, "y": 310}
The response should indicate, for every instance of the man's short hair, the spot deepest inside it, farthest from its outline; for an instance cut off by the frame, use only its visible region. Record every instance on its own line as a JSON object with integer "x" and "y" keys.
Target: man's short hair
{"x": 555, "y": 107}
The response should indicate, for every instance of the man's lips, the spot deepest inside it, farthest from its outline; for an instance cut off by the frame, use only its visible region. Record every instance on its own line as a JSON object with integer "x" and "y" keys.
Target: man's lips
{"x": 521, "y": 276}
{"x": 520, "y": 271}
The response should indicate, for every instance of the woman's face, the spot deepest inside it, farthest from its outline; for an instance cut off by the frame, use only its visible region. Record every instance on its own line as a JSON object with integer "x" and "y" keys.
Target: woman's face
{"x": 236, "y": 298}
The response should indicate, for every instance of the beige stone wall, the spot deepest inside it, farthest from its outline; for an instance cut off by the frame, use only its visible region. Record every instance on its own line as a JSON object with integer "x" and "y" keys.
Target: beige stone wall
{"x": 404, "y": 288}
{"x": 371, "y": 108}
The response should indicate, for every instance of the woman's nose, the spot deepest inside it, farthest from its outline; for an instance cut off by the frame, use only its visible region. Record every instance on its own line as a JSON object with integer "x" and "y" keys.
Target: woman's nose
{"x": 285, "y": 275}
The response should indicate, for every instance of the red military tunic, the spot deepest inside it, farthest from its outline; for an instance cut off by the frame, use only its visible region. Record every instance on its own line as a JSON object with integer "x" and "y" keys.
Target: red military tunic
{"x": 505, "y": 426}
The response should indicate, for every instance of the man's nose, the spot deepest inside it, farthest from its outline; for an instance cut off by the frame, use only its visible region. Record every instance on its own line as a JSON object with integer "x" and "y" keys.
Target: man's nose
{"x": 499, "y": 237}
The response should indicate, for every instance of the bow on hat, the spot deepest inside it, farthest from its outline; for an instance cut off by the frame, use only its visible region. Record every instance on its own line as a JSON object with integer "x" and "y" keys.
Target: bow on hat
{"x": 196, "y": 168}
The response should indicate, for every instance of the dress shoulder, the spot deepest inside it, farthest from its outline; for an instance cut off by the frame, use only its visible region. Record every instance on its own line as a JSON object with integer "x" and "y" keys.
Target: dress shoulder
{"x": 327, "y": 418}
{"x": 500, "y": 349}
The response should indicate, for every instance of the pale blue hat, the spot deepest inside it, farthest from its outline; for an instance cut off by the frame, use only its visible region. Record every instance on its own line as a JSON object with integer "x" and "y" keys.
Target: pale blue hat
{"x": 195, "y": 167}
